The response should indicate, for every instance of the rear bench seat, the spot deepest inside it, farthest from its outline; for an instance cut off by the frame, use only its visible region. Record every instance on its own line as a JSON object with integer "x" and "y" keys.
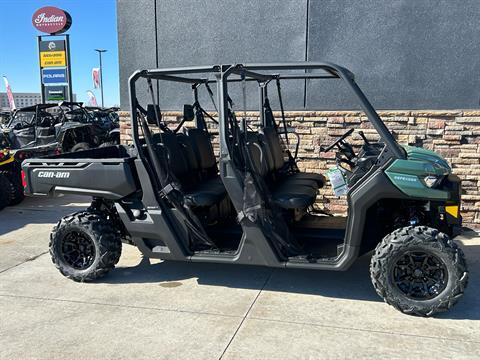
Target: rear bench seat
{"x": 193, "y": 163}
{"x": 271, "y": 138}
{"x": 288, "y": 193}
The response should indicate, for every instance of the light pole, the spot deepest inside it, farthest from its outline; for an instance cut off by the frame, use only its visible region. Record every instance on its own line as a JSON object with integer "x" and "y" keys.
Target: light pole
{"x": 100, "y": 51}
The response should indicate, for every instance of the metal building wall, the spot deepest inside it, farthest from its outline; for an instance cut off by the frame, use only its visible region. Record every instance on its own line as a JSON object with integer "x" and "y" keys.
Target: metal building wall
{"x": 406, "y": 54}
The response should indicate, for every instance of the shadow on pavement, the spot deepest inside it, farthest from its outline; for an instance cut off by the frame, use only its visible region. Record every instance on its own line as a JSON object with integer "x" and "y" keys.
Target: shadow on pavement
{"x": 353, "y": 284}
{"x": 39, "y": 210}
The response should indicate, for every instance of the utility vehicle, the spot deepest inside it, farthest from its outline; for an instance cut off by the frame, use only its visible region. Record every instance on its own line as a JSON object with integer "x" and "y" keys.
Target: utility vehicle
{"x": 100, "y": 126}
{"x": 108, "y": 121}
{"x": 169, "y": 196}
{"x": 50, "y": 128}
{"x": 38, "y": 130}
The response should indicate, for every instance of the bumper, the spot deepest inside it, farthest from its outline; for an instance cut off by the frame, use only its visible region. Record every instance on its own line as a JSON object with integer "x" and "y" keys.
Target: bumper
{"x": 7, "y": 161}
{"x": 451, "y": 208}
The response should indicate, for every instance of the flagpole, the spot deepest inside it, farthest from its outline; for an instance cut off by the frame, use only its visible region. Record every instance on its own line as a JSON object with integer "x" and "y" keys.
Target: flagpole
{"x": 100, "y": 51}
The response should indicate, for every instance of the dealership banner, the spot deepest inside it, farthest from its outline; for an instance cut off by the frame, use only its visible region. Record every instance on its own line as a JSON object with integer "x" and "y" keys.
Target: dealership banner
{"x": 92, "y": 100}
{"x": 11, "y": 100}
{"x": 96, "y": 77}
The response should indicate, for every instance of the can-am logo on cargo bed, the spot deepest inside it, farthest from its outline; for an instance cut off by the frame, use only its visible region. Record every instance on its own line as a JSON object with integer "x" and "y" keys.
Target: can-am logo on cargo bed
{"x": 54, "y": 174}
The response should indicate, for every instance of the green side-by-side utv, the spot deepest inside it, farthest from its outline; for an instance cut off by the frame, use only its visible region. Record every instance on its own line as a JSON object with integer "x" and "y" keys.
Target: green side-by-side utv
{"x": 170, "y": 195}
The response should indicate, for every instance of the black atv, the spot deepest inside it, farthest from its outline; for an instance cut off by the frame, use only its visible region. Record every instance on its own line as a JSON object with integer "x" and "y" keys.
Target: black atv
{"x": 170, "y": 196}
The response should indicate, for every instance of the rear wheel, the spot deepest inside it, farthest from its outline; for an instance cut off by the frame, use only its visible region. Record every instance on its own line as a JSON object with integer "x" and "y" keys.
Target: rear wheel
{"x": 4, "y": 191}
{"x": 84, "y": 246}
{"x": 80, "y": 147}
{"x": 419, "y": 271}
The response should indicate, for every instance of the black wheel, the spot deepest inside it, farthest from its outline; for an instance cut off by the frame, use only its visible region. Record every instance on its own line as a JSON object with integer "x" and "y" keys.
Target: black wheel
{"x": 419, "y": 271}
{"x": 80, "y": 147}
{"x": 16, "y": 193}
{"x": 84, "y": 246}
{"x": 5, "y": 186}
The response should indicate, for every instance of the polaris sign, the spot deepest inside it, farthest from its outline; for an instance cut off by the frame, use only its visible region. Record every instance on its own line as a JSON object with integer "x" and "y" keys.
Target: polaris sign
{"x": 54, "y": 76}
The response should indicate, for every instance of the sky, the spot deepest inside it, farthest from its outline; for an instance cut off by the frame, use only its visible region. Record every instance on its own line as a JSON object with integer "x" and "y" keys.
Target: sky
{"x": 94, "y": 25}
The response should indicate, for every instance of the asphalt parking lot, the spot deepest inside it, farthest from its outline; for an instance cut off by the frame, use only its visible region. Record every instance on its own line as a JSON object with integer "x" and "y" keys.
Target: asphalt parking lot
{"x": 153, "y": 309}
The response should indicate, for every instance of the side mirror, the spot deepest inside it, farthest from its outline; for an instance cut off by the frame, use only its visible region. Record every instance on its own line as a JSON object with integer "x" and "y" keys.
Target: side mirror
{"x": 188, "y": 113}
{"x": 151, "y": 114}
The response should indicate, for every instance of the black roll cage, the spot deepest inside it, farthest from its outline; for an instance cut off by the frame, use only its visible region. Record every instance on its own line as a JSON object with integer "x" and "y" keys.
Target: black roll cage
{"x": 256, "y": 247}
{"x": 34, "y": 108}
{"x": 222, "y": 75}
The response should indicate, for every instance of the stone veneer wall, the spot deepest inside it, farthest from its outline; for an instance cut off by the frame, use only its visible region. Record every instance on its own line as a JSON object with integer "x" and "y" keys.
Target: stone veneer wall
{"x": 453, "y": 134}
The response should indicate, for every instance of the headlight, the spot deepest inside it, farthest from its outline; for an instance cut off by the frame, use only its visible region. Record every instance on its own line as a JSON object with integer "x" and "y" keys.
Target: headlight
{"x": 432, "y": 181}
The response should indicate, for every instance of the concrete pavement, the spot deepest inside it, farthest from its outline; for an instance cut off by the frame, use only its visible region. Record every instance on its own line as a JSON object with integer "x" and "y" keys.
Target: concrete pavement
{"x": 152, "y": 309}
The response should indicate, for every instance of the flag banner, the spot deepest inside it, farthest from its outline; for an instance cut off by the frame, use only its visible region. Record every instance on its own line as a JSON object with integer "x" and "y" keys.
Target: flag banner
{"x": 92, "y": 100}
{"x": 96, "y": 77}
{"x": 11, "y": 100}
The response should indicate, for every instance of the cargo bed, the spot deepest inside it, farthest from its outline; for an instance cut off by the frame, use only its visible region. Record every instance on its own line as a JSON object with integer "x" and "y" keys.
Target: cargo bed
{"x": 107, "y": 172}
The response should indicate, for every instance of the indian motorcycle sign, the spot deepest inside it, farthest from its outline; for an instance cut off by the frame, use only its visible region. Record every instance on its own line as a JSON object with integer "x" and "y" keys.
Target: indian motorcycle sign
{"x": 51, "y": 20}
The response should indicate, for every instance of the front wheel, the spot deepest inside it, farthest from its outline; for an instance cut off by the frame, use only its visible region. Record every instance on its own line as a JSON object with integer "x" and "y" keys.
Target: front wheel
{"x": 84, "y": 246}
{"x": 419, "y": 271}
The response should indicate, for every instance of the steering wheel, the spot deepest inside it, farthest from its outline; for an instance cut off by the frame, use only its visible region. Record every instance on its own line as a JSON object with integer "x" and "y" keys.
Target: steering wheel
{"x": 343, "y": 146}
{"x": 346, "y": 153}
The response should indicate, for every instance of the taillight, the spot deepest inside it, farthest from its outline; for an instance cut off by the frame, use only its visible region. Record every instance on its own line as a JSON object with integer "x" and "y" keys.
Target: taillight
{"x": 24, "y": 181}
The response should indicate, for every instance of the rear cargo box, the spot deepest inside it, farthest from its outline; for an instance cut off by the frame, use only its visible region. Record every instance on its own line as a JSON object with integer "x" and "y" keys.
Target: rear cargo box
{"x": 105, "y": 172}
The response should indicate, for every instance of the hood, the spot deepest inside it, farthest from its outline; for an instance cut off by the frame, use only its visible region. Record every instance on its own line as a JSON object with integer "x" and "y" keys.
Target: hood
{"x": 434, "y": 163}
